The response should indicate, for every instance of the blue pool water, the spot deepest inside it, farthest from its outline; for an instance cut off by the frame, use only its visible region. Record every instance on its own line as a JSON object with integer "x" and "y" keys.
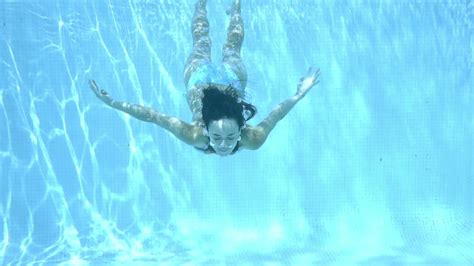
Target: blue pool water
{"x": 373, "y": 167}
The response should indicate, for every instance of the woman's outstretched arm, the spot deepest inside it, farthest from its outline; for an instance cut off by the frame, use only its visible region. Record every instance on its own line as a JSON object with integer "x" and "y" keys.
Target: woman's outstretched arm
{"x": 182, "y": 130}
{"x": 263, "y": 129}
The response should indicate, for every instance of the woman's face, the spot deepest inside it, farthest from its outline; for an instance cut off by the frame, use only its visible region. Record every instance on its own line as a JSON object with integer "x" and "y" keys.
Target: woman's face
{"x": 224, "y": 135}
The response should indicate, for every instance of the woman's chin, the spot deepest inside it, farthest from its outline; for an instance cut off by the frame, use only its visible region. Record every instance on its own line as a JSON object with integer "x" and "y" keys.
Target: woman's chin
{"x": 222, "y": 152}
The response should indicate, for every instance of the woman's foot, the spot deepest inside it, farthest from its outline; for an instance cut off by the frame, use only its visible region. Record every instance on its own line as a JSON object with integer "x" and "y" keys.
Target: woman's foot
{"x": 201, "y": 2}
{"x": 234, "y": 8}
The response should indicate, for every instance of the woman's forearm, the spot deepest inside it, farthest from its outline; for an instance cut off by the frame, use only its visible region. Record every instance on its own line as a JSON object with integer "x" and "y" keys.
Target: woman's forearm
{"x": 278, "y": 113}
{"x": 140, "y": 112}
{"x": 182, "y": 130}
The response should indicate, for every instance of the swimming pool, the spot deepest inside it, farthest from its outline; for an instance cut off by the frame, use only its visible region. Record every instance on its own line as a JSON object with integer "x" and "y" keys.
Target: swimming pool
{"x": 374, "y": 166}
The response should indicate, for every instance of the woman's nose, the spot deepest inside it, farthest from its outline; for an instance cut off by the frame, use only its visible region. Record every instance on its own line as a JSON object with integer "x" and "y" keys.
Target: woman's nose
{"x": 224, "y": 142}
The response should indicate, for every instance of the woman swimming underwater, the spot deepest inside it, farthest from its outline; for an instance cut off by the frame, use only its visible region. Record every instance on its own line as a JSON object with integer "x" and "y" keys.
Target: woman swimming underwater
{"x": 215, "y": 94}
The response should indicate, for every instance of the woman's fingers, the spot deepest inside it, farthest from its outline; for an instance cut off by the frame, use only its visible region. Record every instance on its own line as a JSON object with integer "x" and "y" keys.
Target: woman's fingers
{"x": 93, "y": 86}
{"x": 99, "y": 93}
{"x": 92, "y": 83}
{"x": 316, "y": 76}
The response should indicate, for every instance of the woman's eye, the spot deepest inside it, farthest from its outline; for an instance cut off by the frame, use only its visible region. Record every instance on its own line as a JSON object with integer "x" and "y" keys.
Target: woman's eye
{"x": 219, "y": 139}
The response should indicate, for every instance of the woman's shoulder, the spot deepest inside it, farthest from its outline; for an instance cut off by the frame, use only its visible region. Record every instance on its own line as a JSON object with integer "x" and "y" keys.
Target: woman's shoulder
{"x": 201, "y": 140}
{"x": 251, "y": 137}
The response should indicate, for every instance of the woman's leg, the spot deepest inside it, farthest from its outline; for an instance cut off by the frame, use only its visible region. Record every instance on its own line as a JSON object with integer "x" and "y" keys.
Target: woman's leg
{"x": 201, "y": 53}
{"x": 235, "y": 37}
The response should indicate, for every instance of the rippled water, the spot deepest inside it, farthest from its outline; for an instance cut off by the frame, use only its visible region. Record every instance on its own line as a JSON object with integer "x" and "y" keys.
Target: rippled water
{"x": 373, "y": 167}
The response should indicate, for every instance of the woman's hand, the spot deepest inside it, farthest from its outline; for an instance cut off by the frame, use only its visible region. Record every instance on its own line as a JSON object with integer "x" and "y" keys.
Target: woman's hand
{"x": 306, "y": 83}
{"x": 101, "y": 94}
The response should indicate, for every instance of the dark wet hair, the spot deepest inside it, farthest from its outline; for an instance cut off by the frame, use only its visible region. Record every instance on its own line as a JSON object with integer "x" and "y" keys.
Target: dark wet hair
{"x": 229, "y": 103}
